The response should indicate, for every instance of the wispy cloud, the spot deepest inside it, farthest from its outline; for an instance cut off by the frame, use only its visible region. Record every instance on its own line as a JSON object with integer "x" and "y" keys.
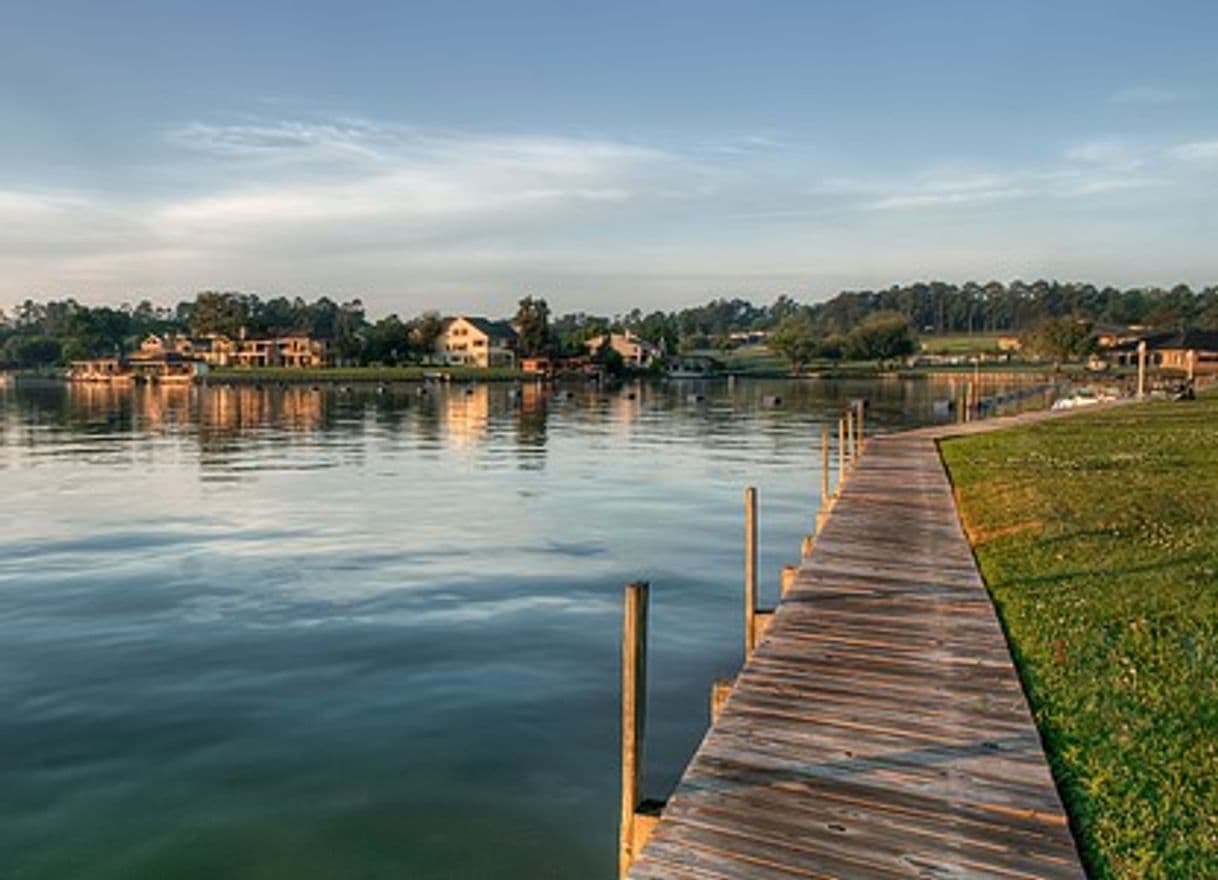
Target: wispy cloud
{"x": 352, "y": 204}
{"x": 1111, "y": 153}
{"x": 1201, "y": 152}
{"x": 402, "y": 177}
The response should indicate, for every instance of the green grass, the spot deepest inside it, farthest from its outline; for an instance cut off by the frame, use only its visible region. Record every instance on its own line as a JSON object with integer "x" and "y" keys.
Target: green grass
{"x": 961, "y": 343}
{"x": 361, "y": 374}
{"x": 1098, "y": 538}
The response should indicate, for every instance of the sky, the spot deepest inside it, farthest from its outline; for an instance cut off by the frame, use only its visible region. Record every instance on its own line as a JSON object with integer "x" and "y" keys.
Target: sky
{"x": 459, "y": 155}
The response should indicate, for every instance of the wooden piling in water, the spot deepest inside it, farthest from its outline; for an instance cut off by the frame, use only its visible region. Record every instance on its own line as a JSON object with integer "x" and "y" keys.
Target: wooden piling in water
{"x": 824, "y": 466}
{"x": 750, "y": 570}
{"x": 634, "y": 707}
{"x": 849, "y": 417}
{"x": 841, "y": 455}
{"x": 858, "y": 434}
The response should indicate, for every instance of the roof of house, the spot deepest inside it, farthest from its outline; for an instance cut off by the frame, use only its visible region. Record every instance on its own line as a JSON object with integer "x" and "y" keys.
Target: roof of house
{"x": 1200, "y": 340}
{"x": 498, "y": 329}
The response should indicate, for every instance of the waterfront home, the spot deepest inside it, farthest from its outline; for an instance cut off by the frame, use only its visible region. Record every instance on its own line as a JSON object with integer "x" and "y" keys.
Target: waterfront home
{"x": 109, "y": 369}
{"x": 302, "y": 351}
{"x": 164, "y": 366}
{"x": 537, "y": 366}
{"x": 477, "y": 342}
{"x": 635, "y": 352}
{"x": 296, "y": 350}
{"x": 1112, "y": 335}
{"x": 1191, "y": 351}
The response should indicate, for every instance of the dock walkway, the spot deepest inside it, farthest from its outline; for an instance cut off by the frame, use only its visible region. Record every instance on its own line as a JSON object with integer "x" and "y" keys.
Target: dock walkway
{"x": 879, "y": 730}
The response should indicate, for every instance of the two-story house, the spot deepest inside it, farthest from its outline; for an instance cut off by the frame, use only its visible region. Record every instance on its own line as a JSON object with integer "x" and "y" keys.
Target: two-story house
{"x": 477, "y": 342}
{"x": 635, "y": 352}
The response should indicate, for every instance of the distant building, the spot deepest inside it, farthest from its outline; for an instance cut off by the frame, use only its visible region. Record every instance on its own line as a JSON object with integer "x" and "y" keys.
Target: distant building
{"x": 477, "y": 342}
{"x": 635, "y": 352}
{"x": 1112, "y": 335}
{"x": 538, "y": 366}
{"x": 1193, "y": 351}
{"x": 110, "y": 369}
{"x": 302, "y": 351}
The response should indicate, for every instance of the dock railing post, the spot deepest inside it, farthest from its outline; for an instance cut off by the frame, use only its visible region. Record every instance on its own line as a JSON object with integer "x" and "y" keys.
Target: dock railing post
{"x": 634, "y": 709}
{"x": 750, "y": 571}
{"x": 858, "y": 434}
{"x": 841, "y": 455}
{"x": 849, "y": 416}
{"x": 824, "y": 466}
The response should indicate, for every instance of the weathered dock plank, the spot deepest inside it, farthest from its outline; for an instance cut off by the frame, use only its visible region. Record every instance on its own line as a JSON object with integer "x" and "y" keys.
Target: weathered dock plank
{"x": 879, "y": 729}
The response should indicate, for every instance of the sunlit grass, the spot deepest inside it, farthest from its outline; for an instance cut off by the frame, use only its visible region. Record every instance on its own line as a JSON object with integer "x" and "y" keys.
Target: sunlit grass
{"x": 1098, "y": 537}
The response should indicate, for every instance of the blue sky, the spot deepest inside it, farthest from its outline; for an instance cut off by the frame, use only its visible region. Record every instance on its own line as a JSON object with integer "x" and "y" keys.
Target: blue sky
{"x": 458, "y": 155}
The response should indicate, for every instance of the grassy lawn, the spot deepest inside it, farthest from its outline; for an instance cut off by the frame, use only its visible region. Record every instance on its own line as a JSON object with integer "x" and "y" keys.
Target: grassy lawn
{"x": 1098, "y": 537}
{"x": 960, "y": 343}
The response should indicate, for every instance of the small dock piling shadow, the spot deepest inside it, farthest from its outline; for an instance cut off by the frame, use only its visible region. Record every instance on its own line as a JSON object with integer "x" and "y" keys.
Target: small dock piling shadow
{"x": 878, "y": 727}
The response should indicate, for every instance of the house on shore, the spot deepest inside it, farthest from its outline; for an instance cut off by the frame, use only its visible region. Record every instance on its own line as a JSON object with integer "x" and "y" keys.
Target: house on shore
{"x": 172, "y": 358}
{"x": 159, "y": 359}
{"x": 1192, "y": 351}
{"x": 477, "y": 342}
{"x": 635, "y": 352}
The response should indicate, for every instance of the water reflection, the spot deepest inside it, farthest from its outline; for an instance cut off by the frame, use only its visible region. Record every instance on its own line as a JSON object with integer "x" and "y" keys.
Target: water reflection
{"x": 295, "y": 632}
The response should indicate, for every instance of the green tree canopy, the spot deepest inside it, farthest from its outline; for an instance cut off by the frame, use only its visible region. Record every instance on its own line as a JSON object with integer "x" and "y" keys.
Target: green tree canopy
{"x": 532, "y": 323}
{"x": 796, "y": 340}
{"x": 880, "y": 337}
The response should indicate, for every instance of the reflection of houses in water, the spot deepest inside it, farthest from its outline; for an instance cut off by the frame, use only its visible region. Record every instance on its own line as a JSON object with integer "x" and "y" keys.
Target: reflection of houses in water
{"x": 533, "y": 399}
{"x": 230, "y": 409}
{"x": 162, "y": 406}
{"x": 467, "y": 414}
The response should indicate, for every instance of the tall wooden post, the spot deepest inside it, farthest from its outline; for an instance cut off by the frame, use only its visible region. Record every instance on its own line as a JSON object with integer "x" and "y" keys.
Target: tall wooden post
{"x": 849, "y": 417}
{"x": 858, "y": 420}
{"x": 1141, "y": 369}
{"x": 824, "y": 466}
{"x": 750, "y": 570}
{"x": 1191, "y": 362}
{"x": 841, "y": 454}
{"x": 634, "y": 708}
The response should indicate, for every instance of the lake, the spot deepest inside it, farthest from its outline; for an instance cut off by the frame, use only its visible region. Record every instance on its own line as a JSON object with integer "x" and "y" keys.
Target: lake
{"x": 312, "y": 633}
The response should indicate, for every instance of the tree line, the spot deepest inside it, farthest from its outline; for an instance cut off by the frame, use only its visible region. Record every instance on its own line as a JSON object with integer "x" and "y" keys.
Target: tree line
{"x": 866, "y": 323}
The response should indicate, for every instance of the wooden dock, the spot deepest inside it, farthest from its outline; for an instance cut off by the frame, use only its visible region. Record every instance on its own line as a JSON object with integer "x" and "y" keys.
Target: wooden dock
{"x": 879, "y": 729}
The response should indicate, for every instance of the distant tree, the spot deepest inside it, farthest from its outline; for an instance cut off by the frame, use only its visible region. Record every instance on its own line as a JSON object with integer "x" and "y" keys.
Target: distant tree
{"x": 880, "y": 337}
{"x": 32, "y": 350}
{"x": 1060, "y": 339}
{"x": 387, "y": 342}
{"x": 532, "y": 323}
{"x": 425, "y": 330}
{"x": 795, "y": 339}
{"x": 229, "y": 313}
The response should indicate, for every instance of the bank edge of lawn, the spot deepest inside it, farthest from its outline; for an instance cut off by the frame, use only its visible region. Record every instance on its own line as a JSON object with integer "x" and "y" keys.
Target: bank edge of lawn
{"x": 1097, "y": 536}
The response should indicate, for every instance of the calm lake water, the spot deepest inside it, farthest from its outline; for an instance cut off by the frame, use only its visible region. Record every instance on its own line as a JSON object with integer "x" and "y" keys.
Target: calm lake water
{"x": 297, "y": 633}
